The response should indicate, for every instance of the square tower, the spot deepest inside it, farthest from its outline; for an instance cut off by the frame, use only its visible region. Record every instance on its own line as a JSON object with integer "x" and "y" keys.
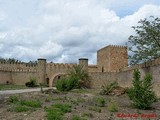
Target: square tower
{"x": 112, "y": 58}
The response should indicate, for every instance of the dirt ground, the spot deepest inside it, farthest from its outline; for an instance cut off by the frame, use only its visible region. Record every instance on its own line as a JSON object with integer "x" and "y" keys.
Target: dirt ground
{"x": 81, "y": 102}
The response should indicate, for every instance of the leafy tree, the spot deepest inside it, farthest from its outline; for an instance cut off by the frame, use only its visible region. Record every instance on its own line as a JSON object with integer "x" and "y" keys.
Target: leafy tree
{"x": 145, "y": 44}
{"x": 141, "y": 93}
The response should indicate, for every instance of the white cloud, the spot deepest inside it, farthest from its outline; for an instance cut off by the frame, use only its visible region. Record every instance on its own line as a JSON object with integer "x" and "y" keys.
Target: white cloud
{"x": 64, "y": 30}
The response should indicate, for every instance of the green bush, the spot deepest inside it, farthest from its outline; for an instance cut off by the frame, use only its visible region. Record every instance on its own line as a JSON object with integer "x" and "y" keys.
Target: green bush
{"x": 20, "y": 108}
{"x": 57, "y": 111}
{"x": 13, "y": 99}
{"x": 107, "y": 88}
{"x": 99, "y": 101}
{"x": 31, "y": 103}
{"x": 77, "y": 78}
{"x": 32, "y": 83}
{"x": 113, "y": 107}
{"x": 75, "y": 117}
{"x": 141, "y": 93}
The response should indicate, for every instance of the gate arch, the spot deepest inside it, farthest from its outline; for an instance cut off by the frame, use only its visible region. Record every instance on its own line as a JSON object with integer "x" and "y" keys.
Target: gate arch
{"x": 53, "y": 78}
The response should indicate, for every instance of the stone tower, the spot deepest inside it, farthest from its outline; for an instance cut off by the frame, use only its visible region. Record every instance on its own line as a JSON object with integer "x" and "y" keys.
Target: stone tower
{"x": 42, "y": 71}
{"x": 84, "y": 63}
{"x": 112, "y": 58}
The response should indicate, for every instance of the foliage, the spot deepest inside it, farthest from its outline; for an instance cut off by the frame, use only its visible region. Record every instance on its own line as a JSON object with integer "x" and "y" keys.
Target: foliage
{"x": 31, "y": 103}
{"x": 75, "y": 117}
{"x": 56, "y": 111}
{"x": 99, "y": 101}
{"x": 95, "y": 108}
{"x": 77, "y": 78}
{"x": 63, "y": 84}
{"x": 141, "y": 93}
{"x": 81, "y": 75}
{"x": 90, "y": 115}
{"x": 13, "y": 99}
{"x": 145, "y": 44}
{"x": 20, "y": 108}
{"x": 32, "y": 82}
{"x": 113, "y": 107}
{"x": 107, "y": 88}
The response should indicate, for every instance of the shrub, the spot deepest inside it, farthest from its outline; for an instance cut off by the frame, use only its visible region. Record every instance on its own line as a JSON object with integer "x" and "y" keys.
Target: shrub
{"x": 99, "y": 101}
{"x": 107, "y": 88}
{"x": 77, "y": 78}
{"x": 13, "y": 99}
{"x": 141, "y": 93}
{"x": 21, "y": 108}
{"x": 113, "y": 107}
{"x": 95, "y": 108}
{"x": 31, "y": 103}
{"x": 32, "y": 83}
{"x": 56, "y": 111}
{"x": 75, "y": 117}
{"x": 62, "y": 84}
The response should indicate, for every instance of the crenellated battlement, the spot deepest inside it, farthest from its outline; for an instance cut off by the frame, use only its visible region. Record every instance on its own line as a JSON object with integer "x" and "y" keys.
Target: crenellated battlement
{"x": 60, "y": 65}
{"x": 151, "y": 63}
{"x": 18, "y": 67}
{"x": 117, "y": 46}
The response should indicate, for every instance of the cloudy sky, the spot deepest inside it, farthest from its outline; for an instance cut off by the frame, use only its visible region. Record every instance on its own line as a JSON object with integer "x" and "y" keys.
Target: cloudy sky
{"x": 65, "y": 30}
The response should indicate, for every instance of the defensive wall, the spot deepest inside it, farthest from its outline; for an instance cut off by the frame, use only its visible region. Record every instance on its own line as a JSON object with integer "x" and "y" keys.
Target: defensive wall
{"x": 112, "y": 65}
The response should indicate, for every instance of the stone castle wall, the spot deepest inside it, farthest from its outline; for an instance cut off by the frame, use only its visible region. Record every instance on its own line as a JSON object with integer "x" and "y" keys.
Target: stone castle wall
{"x": 125, "y": 76}
{"x": 112, "y": 65}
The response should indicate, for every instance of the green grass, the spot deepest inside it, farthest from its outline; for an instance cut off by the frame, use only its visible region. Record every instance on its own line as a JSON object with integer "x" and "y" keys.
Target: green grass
{"x": 23, "y": 105}
{"x": 12, "y": 87}
{"x": 79, "y": 91}
{"x": 113, "y": 107}
{"x": 57, "y": 111}
{"x": 31, "y": 103}
{"x": 76, "y": 117}
{"x": 94, "y": 108}
{"x": 20, "y": 108}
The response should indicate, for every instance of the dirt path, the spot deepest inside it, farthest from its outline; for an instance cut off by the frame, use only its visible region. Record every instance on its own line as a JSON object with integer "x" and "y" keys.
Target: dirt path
{"x": 7, "y": 92}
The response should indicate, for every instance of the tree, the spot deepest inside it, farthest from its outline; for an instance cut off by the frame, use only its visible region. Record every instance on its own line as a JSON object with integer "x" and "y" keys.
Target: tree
{"x": 145, "y": 44}
{"x": 141, "y": 93}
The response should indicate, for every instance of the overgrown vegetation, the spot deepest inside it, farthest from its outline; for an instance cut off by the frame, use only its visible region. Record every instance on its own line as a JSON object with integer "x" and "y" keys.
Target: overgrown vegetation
{"x": 76, "y": 117}
{"x": 113, "y": 106}
{"x": 32, "y": 82}
{"x": 57, "y": 111}
{"x": 141, "y": 93}
{"x": 23, "y": 105}
{"x": 107, "y": 88}
{"x": 77, "y": 78}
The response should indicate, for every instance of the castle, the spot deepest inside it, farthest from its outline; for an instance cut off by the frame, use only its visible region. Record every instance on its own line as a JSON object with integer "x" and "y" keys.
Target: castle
{"x": 112, "y": 65}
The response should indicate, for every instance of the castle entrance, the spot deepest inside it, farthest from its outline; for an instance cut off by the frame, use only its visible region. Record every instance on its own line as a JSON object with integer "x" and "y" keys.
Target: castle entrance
{"x": 54, "y": 78}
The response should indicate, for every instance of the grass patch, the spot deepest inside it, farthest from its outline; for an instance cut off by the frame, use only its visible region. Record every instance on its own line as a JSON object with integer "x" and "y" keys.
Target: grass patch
{"x": 31, "y": 103}
{"x": 57, "y": 111}
{"x": 99, "y": 101}
{"x": 90, "y": 115}
{"x": 79, "y": 91}
{"x": 76, "y": 117}
{"x": 95, "y": 108}
{"x": 12, "y": 87}
{"x": 113, "y": 107}
{"x": 20, "y": 108}
{"x": 13, "y": 99}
